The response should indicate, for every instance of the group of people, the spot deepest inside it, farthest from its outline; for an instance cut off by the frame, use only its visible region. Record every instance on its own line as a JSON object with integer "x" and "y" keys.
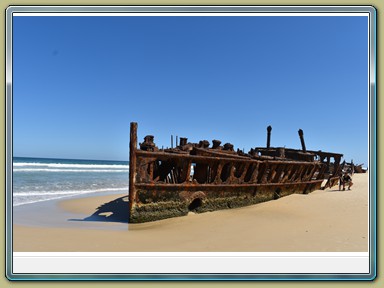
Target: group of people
{"x": 345, "y": 179}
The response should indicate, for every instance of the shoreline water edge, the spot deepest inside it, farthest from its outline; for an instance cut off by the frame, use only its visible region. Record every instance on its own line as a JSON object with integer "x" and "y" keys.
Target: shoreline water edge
{"x": 41, "y": 179}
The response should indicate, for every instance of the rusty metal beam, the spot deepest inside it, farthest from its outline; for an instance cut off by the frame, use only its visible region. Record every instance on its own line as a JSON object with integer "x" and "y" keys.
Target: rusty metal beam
{"x": 132, "y": 164}
{"x": 301, "y": 135}
{"x": 269, "y": 129}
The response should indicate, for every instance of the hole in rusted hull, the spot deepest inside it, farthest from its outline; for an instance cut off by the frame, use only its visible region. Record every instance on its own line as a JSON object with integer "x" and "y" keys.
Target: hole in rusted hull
{"x": 277, "y": 193}
{"x": 195, "y": 204}
{"x": 225, "y": 172}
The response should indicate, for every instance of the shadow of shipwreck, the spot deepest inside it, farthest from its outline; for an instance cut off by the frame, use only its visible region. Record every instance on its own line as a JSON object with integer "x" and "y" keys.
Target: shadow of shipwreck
{"x": 114, "y": 211}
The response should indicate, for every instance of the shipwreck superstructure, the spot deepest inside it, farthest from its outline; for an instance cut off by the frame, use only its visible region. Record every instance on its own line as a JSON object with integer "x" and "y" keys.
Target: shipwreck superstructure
{"x": 171, "y": 182}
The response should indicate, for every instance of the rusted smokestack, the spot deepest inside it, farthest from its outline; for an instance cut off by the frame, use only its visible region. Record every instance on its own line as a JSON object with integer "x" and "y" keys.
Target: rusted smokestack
{"x": 269, "y": 129}
{"x": 183, "y": 141}
{"x": 301, "y": 134}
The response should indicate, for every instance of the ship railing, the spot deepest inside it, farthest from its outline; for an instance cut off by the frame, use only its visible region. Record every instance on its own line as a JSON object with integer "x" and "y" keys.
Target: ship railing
{"x": 169, "y": 168}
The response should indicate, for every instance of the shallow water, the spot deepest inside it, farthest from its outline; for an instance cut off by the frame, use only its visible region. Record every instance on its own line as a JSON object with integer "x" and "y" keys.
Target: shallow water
{"x": 39, "y": 179}
{"x": 48, "y": 214}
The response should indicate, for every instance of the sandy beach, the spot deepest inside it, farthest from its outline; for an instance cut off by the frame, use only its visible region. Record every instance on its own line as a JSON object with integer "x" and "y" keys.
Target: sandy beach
{"x": 323, "y": 221}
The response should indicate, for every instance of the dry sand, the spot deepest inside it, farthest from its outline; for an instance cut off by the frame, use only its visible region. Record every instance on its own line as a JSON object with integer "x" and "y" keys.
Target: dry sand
{"x": 323, "y": 221}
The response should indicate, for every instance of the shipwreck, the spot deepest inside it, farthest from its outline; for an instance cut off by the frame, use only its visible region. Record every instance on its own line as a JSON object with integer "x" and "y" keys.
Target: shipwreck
{"x": 194, "y": 177}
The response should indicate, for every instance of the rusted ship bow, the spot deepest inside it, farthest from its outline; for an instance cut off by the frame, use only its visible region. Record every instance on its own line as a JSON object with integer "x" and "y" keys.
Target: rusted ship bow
{"x": 166, "y": 183}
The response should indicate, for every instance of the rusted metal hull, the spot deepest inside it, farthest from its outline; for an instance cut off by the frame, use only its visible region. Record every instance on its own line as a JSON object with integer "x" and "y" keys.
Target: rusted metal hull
{"x": 172, "y": 182}
{"x": 165, "y": 201}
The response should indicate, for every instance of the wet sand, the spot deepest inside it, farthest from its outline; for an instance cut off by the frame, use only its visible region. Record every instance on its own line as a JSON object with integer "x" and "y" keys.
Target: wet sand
{"x": 323, "y": 221}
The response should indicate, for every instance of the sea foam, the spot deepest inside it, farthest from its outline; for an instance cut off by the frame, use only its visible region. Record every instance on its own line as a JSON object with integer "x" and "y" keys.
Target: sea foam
{"x": 59, "y": 165}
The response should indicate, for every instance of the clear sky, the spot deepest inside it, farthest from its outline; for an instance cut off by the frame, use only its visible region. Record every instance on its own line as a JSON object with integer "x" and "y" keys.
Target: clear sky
{"x": 80, "y": 81}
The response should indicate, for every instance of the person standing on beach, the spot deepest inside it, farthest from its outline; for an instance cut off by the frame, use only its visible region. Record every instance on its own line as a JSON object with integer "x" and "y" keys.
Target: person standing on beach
{"x": 346, "y": 178}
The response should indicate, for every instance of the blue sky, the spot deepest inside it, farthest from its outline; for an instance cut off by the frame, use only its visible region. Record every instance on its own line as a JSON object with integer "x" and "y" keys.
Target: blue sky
{"x": 80, "y": 81}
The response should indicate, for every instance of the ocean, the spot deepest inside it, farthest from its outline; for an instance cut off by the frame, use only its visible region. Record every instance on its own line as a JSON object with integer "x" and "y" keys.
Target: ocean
{"x": 42, "y": 179}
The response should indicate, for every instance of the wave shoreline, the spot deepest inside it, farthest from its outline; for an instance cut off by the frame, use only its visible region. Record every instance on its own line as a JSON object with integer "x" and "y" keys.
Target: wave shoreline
{"x": 43, "y": 179}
